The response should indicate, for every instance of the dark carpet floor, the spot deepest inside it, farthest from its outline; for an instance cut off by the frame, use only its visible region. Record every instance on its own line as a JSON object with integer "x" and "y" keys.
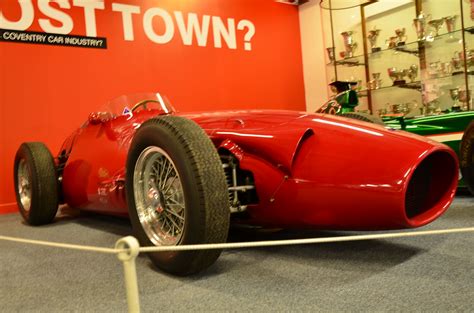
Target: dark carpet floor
{"x": 421, "y": 274}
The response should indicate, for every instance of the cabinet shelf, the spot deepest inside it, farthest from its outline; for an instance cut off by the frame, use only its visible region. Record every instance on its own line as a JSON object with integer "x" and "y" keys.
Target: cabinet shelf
{"x": 459, "y": 75}
{"x": 435, "y": 39}
{"x": 431, "y": 59}
{"x": 470, "y": 30}
{"x": 416, "y": 85}
{"x": 410, "y": 48}
{"x": 353, "y": 61}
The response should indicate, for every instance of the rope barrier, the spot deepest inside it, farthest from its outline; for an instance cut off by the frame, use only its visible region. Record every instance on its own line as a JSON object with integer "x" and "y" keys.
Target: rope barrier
{"x": 61, "y": 245}
{"x": 237, "y": 245}
{"x": 304, "y": 241}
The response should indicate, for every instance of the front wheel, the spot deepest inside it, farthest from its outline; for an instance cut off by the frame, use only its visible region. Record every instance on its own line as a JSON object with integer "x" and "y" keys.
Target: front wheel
{"x": 466, "y": 157}
{"x": 177, "y": 193}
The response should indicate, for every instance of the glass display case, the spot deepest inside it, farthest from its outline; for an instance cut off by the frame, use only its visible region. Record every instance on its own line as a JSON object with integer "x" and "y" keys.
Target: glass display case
{"x": 346, "y": 52}
{"x": 410, "y": 57}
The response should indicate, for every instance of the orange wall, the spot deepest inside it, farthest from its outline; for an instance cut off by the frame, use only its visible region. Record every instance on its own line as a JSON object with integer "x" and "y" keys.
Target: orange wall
{"x": 48, "y": 91}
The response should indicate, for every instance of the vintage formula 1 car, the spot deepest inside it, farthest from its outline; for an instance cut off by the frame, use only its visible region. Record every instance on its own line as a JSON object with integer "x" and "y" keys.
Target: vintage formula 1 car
{"x": 182, "y": 178}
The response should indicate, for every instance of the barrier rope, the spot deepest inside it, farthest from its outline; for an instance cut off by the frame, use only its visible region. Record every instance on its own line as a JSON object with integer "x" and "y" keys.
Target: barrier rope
{"x": 62, "y": 245}
{"x": 236, "y": 245}
{"x": 305, "y": 241}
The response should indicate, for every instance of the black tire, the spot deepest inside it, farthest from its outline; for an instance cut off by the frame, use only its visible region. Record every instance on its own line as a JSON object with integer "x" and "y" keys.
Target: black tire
{"x": 35, "y": 164}
{"x": 202, "y": 179}
{"x": 466, "y": 157}
{"x": 364, "y": 117}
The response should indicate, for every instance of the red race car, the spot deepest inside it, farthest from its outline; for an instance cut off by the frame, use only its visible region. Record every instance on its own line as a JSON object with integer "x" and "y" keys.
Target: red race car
{"x": 182, "y": 178}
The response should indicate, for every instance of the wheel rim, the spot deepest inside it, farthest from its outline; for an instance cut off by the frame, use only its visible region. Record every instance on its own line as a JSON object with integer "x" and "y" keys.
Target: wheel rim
{"x": 159, "y": 197}
{"x": 24, "y": 185}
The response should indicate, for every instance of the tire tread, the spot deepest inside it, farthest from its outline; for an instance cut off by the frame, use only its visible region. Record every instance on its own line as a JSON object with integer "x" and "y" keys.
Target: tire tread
{"x": 210, "y": 183}
{"x": 466, "y": 157}
{"x": 44, "y": 198}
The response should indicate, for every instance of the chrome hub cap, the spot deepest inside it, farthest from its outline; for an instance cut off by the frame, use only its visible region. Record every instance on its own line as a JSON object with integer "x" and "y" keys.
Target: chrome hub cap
{"x": 159, "y": 197}
{"x": 24, "y": 185}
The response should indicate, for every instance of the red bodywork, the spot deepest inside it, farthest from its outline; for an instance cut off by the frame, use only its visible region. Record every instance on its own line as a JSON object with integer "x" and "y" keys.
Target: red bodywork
{"x": 310, "y": 170}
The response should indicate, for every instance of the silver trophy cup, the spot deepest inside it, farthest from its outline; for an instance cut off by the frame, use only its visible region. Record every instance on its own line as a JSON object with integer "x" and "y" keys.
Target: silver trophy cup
{"x": 401, "y": 37}
{"x": 349, "y": 44}
{"x": 412, "y": 72}
{"x": 436, "y": 24}
{"x": 331, "y": 54}
{"x": 396, "y": 75}
{"x": 372, "y": 37}
{"x": 420, "y": 25}
{"x": 454, "y": 93}
{"x": 451, "y": 23}
{"x": 451, "y": 27}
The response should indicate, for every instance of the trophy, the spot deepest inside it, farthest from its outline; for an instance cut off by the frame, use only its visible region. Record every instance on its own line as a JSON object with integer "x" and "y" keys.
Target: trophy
{"x": 465, "y": 98}
{"x": 412, "y": 72}
{"x": 349, "y": 53}
{"x": 402, "y": 108}
{"x": 396, "y": 75}
{"x": 430, "y": 108}
{"x": 436, "y": 24}
{"x": 349, "y": 44}
{"x": 376, "y": 82}
{"x": 420, "y": 25}
{"x": 392, "y": 42}
{"x": 451, "y": 23}
{"x": 347, "y": 37}
{"x": 468, "y": 57}
{"x": 454, "y": 93}
{"x": 331, "y": 54}
{"x": 371, "y": 85}
{"x": 451, "y": 27}
{"x": 446, "y": 68}
{"x": 457, "y": 62}
{"x": 401, "y": 38}
{"x": 372, "y": 36}
{"x": 435, "y": 69}
{"x": 395, "y": 108}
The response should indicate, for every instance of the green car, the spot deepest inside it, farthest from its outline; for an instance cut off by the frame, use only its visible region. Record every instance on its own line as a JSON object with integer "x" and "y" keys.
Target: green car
{"x": 455, "y": 129}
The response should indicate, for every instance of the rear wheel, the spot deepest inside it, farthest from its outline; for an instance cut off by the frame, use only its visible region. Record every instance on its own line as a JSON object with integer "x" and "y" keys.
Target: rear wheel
{"x": 466, "y": 157}
{"x": 177, "y": 193}
{"x": 369, "y": 118}
{"x": 36, "y": 184}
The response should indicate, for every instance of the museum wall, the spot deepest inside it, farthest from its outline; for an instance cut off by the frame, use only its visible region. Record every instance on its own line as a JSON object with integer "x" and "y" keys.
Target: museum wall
{"x": 203, "y": 55}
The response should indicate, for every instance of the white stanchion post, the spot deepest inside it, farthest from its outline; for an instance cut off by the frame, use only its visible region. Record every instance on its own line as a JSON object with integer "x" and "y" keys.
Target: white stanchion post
{"x": 128, "y": 258}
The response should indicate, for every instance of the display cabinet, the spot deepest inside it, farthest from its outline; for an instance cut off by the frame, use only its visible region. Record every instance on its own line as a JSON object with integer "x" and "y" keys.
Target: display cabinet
{"x": 346, "y": 53}
{"x": 409, "y": 57}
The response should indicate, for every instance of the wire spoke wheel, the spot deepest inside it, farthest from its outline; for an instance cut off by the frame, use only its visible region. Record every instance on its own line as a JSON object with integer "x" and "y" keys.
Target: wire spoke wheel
{"x": 177, "y": 193}
{"x": 159, "y": 197}
{"x": 24, "y": 185}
